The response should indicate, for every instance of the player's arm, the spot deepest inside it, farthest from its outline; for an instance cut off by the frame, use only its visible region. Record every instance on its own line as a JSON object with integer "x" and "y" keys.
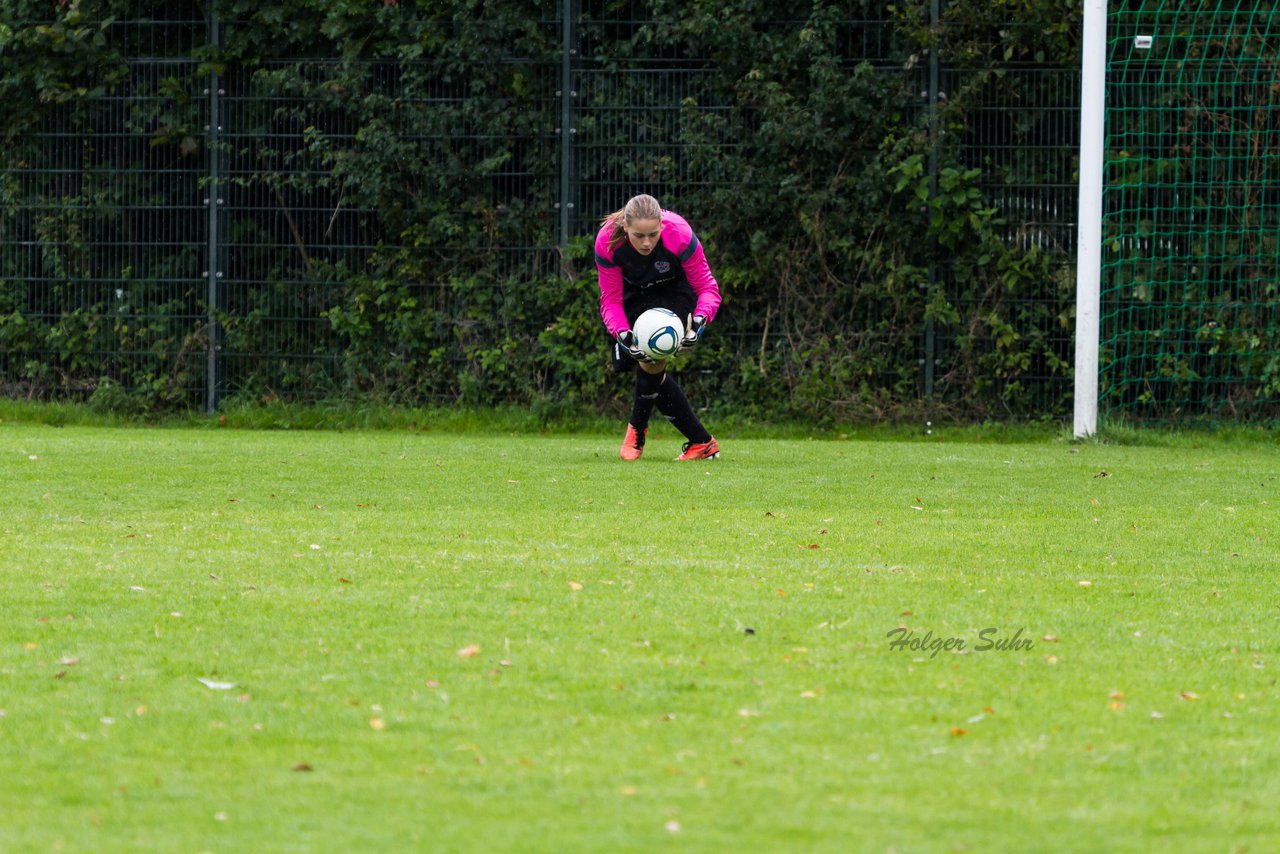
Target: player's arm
{"x": 705, "y": 287}
{"x": 688, "y": 249}
{"x": 610, "y": 278}
{"x": 611, "y": 312}
{"x": 615, "y": 319}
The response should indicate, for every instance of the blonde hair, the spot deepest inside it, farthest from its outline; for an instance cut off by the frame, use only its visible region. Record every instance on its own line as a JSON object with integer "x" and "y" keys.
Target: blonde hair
{"x": 639, "y": 207}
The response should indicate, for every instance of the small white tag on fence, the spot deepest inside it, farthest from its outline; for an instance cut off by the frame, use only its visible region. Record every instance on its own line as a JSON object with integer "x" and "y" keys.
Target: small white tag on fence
{"x": 1143, "y": 42}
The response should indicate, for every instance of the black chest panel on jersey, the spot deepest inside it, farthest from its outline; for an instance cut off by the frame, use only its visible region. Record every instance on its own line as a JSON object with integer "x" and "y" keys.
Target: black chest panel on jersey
{"x": 659, "y": 269}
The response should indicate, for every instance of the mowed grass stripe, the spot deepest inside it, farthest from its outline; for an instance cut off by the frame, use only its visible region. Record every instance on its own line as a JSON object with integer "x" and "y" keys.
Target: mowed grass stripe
{"x": 694, "y": 654}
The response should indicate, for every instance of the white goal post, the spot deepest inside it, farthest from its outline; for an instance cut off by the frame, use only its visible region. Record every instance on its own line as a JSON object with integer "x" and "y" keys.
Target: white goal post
{"x": 1088, "y": 257}
{"x": 1093, "y": 66}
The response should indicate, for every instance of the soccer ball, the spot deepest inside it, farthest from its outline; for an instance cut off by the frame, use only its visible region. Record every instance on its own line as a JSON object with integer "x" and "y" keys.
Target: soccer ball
{"x": 659, "y": 332}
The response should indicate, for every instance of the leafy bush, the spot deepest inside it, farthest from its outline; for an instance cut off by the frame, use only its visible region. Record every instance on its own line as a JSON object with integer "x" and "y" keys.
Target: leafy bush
{"x": 392, "y": 182}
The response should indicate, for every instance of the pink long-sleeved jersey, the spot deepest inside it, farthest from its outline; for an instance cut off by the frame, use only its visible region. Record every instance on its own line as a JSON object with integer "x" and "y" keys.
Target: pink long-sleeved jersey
{"x": 676, "y": 265}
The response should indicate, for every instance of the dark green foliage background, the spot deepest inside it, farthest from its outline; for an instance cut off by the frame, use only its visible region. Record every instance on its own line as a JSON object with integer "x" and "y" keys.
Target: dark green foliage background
{"x": 804, "y": 165}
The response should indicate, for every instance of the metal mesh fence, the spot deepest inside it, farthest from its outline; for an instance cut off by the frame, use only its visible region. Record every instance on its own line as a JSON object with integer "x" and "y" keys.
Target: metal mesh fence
{"x": 112, "y": 266}
{"x": 224, "y": 260}
{"x": 1024, "y": 138}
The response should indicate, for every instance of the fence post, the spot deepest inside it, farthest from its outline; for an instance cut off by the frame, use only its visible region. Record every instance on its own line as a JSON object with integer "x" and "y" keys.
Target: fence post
{"x": 930, "y": 334}
{"x": 568, "y": 94}
{"x": 214, "y": 203}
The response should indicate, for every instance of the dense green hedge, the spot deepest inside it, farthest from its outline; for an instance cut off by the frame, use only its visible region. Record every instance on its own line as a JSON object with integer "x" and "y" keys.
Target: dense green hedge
{"x": 804, "y": 163}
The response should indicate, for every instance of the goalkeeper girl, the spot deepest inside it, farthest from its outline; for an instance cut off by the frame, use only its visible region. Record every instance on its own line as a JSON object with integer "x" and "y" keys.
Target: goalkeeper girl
{"x": 650, "y": 258}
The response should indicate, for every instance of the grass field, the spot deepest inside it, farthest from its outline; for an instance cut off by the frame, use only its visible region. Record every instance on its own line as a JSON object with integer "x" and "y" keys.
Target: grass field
{"x": 486, "y": 642}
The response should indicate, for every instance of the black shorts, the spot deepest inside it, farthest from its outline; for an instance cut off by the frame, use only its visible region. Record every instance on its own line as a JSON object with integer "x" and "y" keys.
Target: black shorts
{"x": 681, "y": 301}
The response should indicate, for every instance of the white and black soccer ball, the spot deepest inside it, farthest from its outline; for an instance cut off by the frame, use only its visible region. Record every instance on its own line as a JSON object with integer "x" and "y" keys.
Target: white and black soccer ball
{"x": 659, "y": 332}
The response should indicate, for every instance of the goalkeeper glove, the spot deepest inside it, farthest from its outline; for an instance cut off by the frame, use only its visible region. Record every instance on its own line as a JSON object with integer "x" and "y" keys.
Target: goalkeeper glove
{"x": 694, "y": 332}
{"x": 631, "y": 343}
